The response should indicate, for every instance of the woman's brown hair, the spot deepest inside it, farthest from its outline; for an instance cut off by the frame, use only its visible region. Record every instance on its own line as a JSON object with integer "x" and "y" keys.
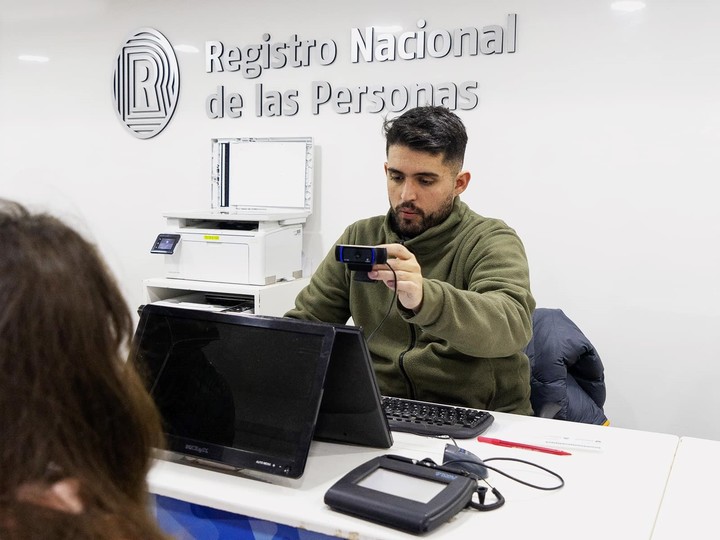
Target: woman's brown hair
{"x": 70, "y": 405}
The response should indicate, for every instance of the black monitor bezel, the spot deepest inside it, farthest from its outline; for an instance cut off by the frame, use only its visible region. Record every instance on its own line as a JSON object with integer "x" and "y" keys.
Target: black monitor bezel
{"x": 236, "y": 457}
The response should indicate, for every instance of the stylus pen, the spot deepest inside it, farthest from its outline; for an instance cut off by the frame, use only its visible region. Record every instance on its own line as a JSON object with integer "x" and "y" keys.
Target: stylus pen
{"x": 510, "y": 444}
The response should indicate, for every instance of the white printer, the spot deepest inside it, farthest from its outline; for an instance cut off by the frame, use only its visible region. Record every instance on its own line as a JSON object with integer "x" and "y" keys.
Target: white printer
{"x": 261, "y": 195}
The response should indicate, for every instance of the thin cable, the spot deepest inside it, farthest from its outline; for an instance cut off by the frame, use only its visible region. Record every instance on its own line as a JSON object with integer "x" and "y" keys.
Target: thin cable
{"x": 394, "y": 298}
{"x": 480, "y": 491}
{"x": 553, "y": 473}
{"x": 486, "y": 507}
{"x": 484, "y": 464}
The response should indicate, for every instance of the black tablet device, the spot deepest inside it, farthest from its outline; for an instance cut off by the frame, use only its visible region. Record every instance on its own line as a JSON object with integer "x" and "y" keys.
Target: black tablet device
{"x": 402, "y": 493}
{"x": 237, "y": 391}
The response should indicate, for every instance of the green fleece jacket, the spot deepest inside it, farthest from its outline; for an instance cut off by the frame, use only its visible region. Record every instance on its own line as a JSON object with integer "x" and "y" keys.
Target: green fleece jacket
{"x": 465, "y": 345}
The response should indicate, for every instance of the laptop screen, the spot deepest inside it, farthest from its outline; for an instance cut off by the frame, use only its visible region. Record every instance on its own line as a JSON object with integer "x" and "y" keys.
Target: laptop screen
{"x": 351, "y": 411}
{"x": 239, "y": 391}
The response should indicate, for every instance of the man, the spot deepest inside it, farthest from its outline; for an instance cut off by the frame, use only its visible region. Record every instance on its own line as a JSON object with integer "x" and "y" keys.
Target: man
{"x": 463, "y": 310}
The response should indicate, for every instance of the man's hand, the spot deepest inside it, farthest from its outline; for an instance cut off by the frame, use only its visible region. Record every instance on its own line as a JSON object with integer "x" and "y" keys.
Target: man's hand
{"x": 407, "y": 273}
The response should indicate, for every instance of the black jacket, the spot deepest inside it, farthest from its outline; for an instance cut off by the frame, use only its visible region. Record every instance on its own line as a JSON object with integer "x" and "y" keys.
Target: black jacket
{"x": 567, "y": 380}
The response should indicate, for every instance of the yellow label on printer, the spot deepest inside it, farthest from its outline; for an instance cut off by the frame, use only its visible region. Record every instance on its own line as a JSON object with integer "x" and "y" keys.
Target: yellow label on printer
{"x": 211, "y": 237}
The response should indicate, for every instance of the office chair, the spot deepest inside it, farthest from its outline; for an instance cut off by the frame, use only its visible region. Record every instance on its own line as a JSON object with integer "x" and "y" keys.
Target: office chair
{"x": 567, "y": 375}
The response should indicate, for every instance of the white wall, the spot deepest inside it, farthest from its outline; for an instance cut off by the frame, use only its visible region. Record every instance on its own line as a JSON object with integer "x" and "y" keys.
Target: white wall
{"x": 596, "y": 140}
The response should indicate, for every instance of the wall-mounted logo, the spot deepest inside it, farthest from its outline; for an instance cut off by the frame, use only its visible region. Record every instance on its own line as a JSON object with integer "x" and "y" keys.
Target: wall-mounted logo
{"x": 146, "y": 85}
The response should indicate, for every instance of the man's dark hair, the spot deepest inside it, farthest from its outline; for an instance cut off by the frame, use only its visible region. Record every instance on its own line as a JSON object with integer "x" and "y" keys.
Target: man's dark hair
{"x": 431, "y": 129}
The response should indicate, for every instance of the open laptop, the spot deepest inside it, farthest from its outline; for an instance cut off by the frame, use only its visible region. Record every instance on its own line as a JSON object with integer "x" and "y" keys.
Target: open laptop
{"x": 241, "y": 392}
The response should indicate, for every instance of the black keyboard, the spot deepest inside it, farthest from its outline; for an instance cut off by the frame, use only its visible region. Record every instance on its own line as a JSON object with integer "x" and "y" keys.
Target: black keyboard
{"x": 432, "y": 419}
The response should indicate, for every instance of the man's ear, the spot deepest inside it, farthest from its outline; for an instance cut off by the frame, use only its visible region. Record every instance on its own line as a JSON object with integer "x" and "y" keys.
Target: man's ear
{"x": 461, "y": 182}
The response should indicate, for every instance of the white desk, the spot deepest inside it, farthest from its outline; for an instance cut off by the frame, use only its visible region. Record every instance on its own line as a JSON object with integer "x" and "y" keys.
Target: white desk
{"x": 614, "y": 492}
{"x": 689, "y": 507}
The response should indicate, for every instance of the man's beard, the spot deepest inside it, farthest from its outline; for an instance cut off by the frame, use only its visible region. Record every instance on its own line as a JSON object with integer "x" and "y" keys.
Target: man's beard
{"x": 411, "y": 229}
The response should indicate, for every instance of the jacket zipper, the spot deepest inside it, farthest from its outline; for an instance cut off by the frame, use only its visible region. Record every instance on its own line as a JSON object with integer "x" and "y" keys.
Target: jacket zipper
{"x": 410, "y": 384}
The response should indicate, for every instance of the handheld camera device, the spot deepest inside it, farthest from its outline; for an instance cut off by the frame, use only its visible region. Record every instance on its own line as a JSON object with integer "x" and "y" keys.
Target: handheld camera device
{"x": 360, "y": 258}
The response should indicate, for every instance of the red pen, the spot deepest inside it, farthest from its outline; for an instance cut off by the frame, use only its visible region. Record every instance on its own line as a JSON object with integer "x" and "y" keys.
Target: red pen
{"x": 510, "y": 444}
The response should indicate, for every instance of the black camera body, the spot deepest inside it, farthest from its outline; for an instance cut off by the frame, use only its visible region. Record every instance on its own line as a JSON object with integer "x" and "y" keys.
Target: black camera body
{"x": 360, "y": 258}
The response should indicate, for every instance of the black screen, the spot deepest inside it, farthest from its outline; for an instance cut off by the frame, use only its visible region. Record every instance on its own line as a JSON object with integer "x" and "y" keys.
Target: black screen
{"x": 165, "y": 243}
{"x": 351, "y": 410}
{"x": 237, "y": 389}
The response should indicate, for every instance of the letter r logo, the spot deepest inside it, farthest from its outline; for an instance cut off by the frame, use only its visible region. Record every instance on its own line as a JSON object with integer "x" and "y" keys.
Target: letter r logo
{"x": 146, "y": 85}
